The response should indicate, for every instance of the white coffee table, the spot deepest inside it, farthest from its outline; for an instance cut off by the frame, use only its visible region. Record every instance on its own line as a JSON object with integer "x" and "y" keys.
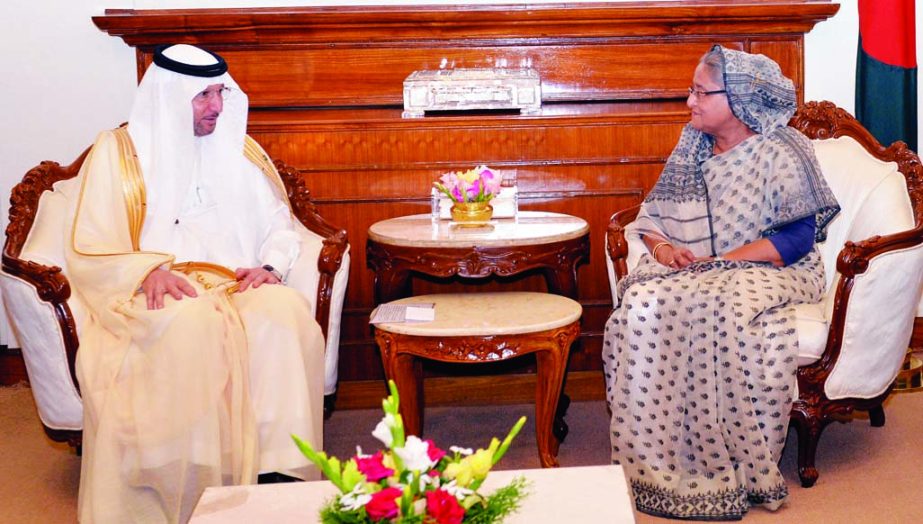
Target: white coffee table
{"x": 582, "y": 494}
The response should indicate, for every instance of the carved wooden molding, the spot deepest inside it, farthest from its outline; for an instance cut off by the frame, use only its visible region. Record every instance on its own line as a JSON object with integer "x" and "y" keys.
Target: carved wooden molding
{"x": 404, "y": 25}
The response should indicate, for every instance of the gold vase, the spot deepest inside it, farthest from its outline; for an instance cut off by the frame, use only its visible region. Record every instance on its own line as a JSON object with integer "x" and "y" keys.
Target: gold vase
{"x": 473, "y": 213}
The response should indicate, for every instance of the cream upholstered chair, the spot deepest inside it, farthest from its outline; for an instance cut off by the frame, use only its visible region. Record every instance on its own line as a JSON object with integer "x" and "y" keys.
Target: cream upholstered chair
{"x": 851, "y": 344}
{"x": 46, "y": 317}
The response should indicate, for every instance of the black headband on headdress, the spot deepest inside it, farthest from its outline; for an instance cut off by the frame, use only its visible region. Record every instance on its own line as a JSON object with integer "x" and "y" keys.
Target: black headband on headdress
{"x": 216, "y": 69}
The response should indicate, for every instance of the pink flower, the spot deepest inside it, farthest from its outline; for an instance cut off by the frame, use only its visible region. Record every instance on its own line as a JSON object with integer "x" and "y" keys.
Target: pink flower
{"x": 443, "y": 507}
{"x": 373, "y": 468}
{"x": 474, "y": 189}
{"x": 435, "y": 454}
{"x": 383, "y": 504}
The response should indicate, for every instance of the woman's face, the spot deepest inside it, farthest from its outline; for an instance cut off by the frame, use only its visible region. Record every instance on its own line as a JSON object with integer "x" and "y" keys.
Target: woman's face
{"x": 711, "y": 113}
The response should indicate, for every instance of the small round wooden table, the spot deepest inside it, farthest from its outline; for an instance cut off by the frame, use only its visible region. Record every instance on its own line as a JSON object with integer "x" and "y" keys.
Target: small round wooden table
{"x": 473, "y": 328}
{"x": 551, "y": 242}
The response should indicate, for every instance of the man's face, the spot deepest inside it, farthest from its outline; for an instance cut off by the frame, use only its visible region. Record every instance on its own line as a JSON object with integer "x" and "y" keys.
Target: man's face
{"x": 206, "y": 106}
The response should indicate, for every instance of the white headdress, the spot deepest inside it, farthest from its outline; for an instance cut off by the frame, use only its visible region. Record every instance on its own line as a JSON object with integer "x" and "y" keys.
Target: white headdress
{"x": 172, "y": 157}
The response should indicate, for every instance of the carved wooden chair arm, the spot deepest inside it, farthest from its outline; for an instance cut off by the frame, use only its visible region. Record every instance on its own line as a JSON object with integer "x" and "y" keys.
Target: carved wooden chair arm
{"x": 335, "y": 240}
{"x": 854, "y": 259}
{"x": 616, "y": 242}
{"x": 52, "y": 287}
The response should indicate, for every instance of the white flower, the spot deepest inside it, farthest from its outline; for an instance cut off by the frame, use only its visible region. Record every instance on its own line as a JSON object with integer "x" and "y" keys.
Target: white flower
{"x": 355, "y": 499}
{"x": 360, "y": 454}
{"x": 414, "y": 454}
{"x": 426, "y": 479}
{"x": 461, "y": 451}
{"x": 419, "y": 507}
{"x": 456, "y": 491}
{"x": 383, "y": 430}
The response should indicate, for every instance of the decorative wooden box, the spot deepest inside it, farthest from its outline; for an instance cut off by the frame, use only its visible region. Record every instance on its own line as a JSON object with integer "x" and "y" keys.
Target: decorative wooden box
{"x": 462, "y": 89}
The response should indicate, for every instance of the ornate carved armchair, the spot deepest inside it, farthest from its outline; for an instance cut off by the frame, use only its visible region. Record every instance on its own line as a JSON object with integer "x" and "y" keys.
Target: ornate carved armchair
{"x": 47, "y": 317}
{"x": 852, "y": 343}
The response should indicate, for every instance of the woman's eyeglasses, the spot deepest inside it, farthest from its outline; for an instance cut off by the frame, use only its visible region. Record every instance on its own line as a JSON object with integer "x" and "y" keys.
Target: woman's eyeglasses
{"x": 699, "y": 94}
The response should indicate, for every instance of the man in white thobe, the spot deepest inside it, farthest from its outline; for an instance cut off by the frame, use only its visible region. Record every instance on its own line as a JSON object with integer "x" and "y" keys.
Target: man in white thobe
{"x": 196, "y": 362}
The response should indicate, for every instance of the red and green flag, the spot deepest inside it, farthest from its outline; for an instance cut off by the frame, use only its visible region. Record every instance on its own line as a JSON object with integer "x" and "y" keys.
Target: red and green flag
{"x": 886, "y": 71}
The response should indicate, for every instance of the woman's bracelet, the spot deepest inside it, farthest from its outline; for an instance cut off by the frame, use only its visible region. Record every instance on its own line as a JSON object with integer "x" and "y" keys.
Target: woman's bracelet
{"x": 656, "y": 247}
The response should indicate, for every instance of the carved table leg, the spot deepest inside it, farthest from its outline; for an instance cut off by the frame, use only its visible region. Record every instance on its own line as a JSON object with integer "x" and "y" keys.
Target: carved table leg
{"x": 407, "y": 373}
{"x": 408, "y": 378}
{"x": 391, "y": 284}
{"x": 562, "y": 280}
{"x": 551, "y": 364}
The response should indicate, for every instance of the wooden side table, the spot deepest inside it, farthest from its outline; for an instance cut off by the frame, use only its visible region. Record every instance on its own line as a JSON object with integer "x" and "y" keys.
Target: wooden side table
{"x": 485, "y": 327}
{"x": 551, "y": 242}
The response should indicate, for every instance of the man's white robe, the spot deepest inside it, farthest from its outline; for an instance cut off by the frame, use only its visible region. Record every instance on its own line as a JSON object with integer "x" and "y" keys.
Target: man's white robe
{"x": 203, "y": 392}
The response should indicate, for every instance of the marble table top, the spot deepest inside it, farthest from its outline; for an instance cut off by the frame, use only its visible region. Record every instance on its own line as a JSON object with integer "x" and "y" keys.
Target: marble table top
{"x": 529, "y": 228}
{"x": 578, "y": 494}
{"x": 484, "y": 314}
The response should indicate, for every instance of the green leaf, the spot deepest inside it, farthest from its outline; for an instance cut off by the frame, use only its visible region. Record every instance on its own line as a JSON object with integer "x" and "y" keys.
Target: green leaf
{"x": 505, "y": 445}
{"x": 351, "y": 475}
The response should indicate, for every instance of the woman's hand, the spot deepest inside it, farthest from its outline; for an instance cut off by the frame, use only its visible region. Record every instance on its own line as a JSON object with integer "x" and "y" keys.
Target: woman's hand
{"x": 672, "y": 256}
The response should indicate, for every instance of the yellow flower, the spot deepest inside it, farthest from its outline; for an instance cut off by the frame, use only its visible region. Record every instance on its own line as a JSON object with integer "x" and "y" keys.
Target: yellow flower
{"x": 473, "y": 467}
{"x": 460, "y": 471}
{"x": 469, "y": 176}
{"x": 482, "y": 460}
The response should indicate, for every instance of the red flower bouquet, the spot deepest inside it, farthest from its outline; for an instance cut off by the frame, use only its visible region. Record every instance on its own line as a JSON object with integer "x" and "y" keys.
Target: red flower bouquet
{"x": 414, "y": 481}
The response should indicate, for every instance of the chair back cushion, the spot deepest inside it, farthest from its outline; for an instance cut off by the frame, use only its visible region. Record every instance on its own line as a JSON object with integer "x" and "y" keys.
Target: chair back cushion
{"x": 39, "y": 334}
{"x": 34, "y": 321}
{"x": 304, "y": 277}
{"x": 884, "y": 299}
{"x": 864, "y": 186}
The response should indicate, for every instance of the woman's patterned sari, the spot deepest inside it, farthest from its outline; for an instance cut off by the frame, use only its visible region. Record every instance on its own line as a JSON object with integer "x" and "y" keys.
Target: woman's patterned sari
{"x": 700, "y": 362}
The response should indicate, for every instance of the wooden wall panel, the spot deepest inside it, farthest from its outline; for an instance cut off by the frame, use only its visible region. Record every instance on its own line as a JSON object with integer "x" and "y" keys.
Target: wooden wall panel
{"x": 789, "y": 54}
{"x": 374, "y": 76}
{"x": 325, "y": 87}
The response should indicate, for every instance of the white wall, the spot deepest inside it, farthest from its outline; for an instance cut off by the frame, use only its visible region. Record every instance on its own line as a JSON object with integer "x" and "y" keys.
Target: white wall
{"x": 62, "y": 80}
{"x": 830, "y": 58}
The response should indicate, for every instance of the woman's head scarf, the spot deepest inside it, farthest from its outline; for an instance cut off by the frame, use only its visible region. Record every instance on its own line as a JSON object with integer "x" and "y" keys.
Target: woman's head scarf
{"x": 763, "y": 99}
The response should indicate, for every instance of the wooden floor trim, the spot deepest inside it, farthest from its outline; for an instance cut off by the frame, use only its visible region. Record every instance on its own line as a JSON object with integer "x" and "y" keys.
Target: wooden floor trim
{"x": 457, "y": 391}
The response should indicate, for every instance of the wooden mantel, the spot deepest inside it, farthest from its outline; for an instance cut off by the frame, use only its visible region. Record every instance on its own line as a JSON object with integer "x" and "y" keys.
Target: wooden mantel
{"x": 325, "y": 87}
{"x": 465, "y": 22}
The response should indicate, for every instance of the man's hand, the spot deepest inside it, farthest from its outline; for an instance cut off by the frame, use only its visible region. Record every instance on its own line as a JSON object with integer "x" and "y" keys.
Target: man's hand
{"x": 254, "y": 276}
{"x": 160, "y": 282}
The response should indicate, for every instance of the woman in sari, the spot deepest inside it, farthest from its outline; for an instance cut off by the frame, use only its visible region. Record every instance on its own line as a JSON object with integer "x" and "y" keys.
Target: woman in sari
{"x": 699, "y": 355}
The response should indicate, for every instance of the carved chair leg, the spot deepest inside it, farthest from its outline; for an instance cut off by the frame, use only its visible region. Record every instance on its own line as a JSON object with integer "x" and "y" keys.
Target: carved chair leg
{"x": 877, "y": 416}
{"x": 808, "y": 436}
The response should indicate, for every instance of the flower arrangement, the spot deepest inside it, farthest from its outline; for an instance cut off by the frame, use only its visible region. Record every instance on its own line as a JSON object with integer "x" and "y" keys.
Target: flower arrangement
{"x": 475, "y": 185}
{"x": 413, "y": 481}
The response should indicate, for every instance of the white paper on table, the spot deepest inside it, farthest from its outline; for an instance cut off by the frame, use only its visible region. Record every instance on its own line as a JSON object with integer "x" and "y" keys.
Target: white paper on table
{"x": 398, "y": 313}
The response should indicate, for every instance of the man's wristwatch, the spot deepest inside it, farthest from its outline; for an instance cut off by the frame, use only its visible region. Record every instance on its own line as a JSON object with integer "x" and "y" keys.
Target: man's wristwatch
{"x": 275, "y": 272}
